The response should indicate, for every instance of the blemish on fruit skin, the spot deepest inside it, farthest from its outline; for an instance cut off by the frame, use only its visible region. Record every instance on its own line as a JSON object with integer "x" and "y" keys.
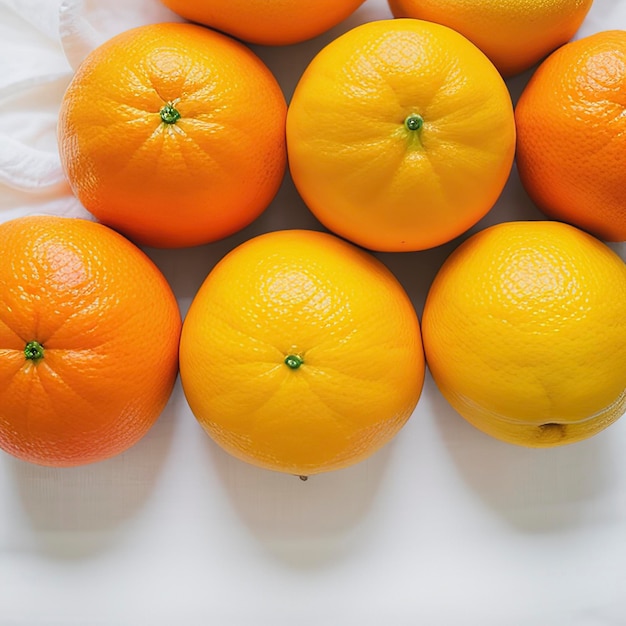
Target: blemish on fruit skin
{"x": 553, "y": 429}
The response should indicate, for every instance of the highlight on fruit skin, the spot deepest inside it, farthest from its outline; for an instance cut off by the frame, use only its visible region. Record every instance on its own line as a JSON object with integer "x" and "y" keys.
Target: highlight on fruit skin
{"x": 89, "y": 333}
{"x": 301, "y": 353}
{"x": 524, "y": 331}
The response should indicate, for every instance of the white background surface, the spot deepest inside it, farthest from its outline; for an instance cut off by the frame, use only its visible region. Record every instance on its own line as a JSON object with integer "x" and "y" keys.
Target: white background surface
{"x": 444, "y": 526}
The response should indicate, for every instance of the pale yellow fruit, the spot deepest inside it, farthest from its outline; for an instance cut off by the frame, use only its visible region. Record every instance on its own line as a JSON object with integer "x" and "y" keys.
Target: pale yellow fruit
{"x": 524, "y": 330}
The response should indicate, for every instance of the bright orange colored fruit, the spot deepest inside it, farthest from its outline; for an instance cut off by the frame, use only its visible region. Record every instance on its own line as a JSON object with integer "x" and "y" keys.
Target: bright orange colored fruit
{"x": 572, "y": 135}
{"x": 173, "y": 134}
{"x": 301, "y": 353}
{"x": 269, "y": 22}
{"x": 89, "y": 333}
{"x": 524, "y": 330}
{"x": 400, "y": 135}
{"x": 514, "y": 34}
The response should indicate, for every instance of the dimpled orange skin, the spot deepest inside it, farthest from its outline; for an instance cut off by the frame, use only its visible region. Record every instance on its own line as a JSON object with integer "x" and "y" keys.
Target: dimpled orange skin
{"x": 269, "y": 22}
{"x": 524, "y": 331}
{"x": 351, "y": 332}
{"x": 101, "y": 328}
{"x": 359, "y": 167}
{"x": 190, "y": 180}
{"x": 572, "y": 135}
{"x": 514, "y": 34}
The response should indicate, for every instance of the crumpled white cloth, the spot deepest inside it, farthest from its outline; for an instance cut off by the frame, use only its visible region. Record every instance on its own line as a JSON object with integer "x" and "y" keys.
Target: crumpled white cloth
{"x": 43, "y": 42}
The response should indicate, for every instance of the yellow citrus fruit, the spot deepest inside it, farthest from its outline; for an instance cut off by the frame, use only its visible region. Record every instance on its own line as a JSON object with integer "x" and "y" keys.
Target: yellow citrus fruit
{"x": 269, "y": 22}
{"x": 301, "y": 353}
{"x": 514, "y": 34}
{"x": 524, "y": 330}
{"x": 400, "y": 135}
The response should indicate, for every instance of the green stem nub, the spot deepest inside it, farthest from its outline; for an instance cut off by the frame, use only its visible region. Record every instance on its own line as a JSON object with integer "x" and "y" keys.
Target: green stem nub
{"x": 414, "y": 121}
{"x": 169, "y": 114}
{"x": 33, "y": 351}
{"x": 294, "y": 361}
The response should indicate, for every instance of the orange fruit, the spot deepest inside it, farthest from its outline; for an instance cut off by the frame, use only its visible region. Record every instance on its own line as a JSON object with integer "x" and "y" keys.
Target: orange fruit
{"x": 400, "y": 135}
{"x": 524, "y": 330}
{"x": 301, "y": 353}
{"x": 514, "y": 34}
{"x": 572, "y": 135}
{"x": 173, "y": 134}
{"x": 89, "y": 333}
{"x": 269, "y": 22}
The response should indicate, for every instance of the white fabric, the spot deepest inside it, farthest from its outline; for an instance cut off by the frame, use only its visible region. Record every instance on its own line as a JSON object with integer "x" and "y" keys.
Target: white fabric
{"x": 44, "y": 41}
